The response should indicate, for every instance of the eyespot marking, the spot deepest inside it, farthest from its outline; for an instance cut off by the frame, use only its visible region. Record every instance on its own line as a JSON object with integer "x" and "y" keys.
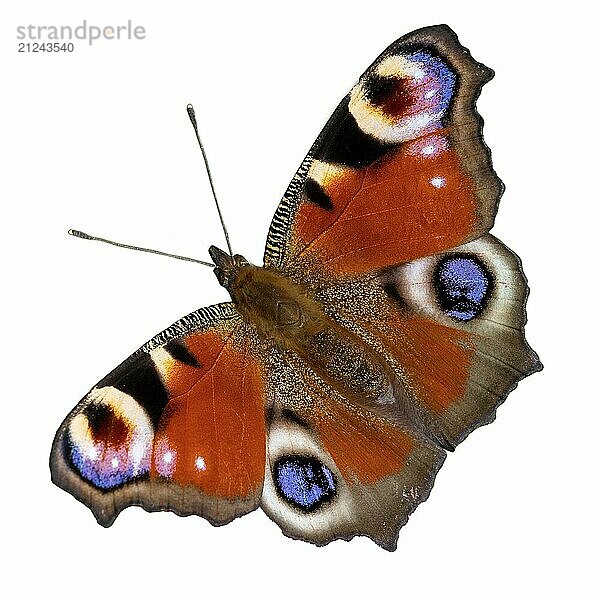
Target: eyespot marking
{"x": 391, "y": 95}
{"x": 110, "y": 441}
{"x": 304, "y": 482}
{"x": 463, "y": 286}
{"x": 405, "y": 97}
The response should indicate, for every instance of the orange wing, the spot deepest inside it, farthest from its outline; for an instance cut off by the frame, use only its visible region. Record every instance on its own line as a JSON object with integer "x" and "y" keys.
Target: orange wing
{"x": 178, "y": 426}
{"x": 223, "y": 455}
{"x": 400, "y": 170}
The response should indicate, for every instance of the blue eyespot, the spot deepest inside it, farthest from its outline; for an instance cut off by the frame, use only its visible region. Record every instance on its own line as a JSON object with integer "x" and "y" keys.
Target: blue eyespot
{"x": 104, "y": 472}
{"x": 439, "y": 76}
{"x": 463, "y": 286}
{"x": 304, "y": 482}
{"x": 109, "y": 443}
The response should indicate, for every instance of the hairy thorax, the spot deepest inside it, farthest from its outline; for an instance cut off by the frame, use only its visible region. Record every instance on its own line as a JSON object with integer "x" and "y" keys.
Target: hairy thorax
{"x": 284, "y": 312}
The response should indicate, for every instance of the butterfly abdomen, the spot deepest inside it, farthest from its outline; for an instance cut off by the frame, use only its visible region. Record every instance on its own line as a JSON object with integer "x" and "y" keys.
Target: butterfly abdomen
{"x": 350, "y": 366}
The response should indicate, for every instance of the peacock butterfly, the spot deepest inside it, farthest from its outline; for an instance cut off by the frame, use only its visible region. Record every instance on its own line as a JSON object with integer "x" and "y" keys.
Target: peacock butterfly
{"x": 385, "y": 325}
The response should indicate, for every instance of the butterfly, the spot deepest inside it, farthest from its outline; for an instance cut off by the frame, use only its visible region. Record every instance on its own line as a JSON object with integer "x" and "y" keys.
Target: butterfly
{"x": 385, "y": 325}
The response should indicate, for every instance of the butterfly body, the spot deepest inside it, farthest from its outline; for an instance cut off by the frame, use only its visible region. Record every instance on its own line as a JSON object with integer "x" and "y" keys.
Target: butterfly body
{"x": 285, "y": 314}
{"x": 385, "y": 325}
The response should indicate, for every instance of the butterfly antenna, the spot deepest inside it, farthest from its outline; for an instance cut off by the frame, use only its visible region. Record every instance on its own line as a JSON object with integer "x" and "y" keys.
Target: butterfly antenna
{"x": 81, "y": 235}
{"x": 192, "y": 116}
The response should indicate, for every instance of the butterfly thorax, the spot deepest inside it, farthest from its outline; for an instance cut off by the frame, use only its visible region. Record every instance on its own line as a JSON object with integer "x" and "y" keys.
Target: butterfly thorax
{"x": 278, "y": 308}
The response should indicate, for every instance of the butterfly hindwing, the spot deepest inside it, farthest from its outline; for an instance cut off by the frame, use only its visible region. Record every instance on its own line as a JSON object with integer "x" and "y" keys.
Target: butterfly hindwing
{"x": 178, "y": 426}
{"x": 475, "y": 295}
{"x": 399, "y": 171}
{"x": 336, "y": 470}
{"x": 451, "y": 326}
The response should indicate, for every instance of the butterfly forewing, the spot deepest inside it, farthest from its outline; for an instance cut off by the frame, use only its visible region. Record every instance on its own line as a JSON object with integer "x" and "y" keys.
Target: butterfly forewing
{"x": 399, "y": 171}
{"x": 178, "y": 426}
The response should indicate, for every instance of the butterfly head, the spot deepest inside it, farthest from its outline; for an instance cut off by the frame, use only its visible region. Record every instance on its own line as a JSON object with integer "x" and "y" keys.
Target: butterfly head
{"x": 226, "y": 266}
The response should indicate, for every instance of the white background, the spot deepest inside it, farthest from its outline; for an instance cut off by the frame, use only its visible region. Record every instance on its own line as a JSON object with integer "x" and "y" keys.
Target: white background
{"x": 99, "y": 140}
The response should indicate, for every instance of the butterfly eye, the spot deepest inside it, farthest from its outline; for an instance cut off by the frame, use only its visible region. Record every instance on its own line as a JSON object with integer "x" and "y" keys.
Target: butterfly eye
{"x": 463, "y": 286}
{"x": 304, "y": 482}
{"x": 110, "y": 441}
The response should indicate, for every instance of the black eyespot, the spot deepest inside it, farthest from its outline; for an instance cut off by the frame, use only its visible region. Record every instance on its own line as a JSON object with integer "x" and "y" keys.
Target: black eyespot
{"x": 394, "y": 95}
{"x": 463, "y": 286}
{"x": 304, "y": 482}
